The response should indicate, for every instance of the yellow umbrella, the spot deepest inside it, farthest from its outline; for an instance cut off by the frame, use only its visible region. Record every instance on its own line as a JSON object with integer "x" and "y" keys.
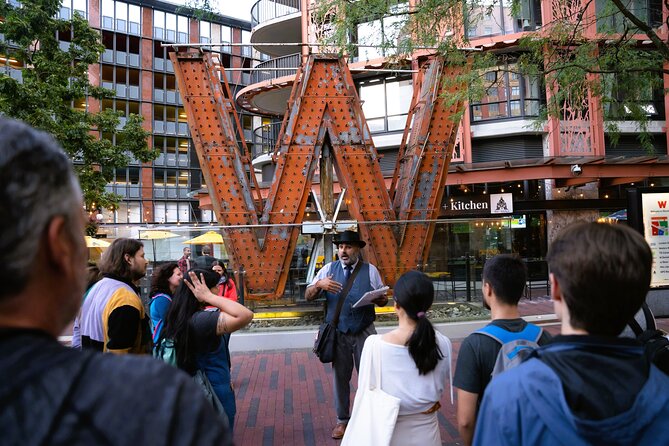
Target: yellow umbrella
{"x": 209, "y": 237}
{"x": 153, "y": 235}
{"x": 92, "y": 242}
{"x": 156, "y": 234}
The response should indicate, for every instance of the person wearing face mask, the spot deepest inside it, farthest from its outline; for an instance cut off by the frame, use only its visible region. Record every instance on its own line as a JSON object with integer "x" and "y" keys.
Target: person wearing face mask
{"x": 226, "y": 285}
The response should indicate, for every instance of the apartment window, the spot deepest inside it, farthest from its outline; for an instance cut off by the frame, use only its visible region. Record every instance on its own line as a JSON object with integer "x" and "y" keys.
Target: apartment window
{"x": 172, "y": 212}
{"x": 80, "y": 6}
{"x": 488, "y": 18}
{"x": 182, "y": 121}
{"x": 120, "y": 49}
{"x": 171, "y": 183}
{"x": 508, "y": 94}
{"x": 386, "y": 103}
{"x": 69, "y": 7}
{"x": 226, "y": 37}
{"x": 207, "y": 216}
{"x": 127, "y": 212}
{"x": 182, "y": 29}
{"x": 158, "y": 24}
{"x": 134, "y": 19}
{"x": 247, "y": 50}
{"x": 611, "y": 20}
{"x": 108, "y": 14}
{"x": 125, "y": 181}
{"x": 205, "y": 32}
{"x": 381, "y": 32}
{"x": 161, "y": 61}
{"x": 647, "y": 100}
{"x": 173, "y": 151}
{"x": 169, "y": 119}
{"x": 170, "y": 27}
{"x": 125, "y": 81}
{"x": 165, "y": 88}
{"x": 124, "y": 108}
{"x": 119, "y": 16}
{"x": 222, "y": 34}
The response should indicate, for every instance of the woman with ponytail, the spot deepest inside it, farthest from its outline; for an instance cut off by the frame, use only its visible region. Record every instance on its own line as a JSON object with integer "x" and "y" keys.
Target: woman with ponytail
{"x": 415, "y": 362}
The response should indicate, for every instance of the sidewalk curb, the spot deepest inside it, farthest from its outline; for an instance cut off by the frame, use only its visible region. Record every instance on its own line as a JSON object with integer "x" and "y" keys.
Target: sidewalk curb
{"x": 241, "y": 342}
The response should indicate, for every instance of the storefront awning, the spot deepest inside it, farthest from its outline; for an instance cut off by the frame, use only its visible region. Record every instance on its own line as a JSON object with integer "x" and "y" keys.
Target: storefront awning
{"x": 607, "y": 170}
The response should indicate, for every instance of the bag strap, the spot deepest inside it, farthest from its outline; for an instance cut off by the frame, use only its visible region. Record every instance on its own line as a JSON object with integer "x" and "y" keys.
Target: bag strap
{"x": 650, "y": 320}
{"x": 377, "y": 361}
{"x": 531, "y": 332}
{"x": 344, "y": 292}
{"x": 634, "y": 325}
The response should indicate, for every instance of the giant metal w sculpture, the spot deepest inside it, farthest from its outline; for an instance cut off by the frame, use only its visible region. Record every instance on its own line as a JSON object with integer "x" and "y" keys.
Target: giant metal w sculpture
{"x": 324, "y": 113}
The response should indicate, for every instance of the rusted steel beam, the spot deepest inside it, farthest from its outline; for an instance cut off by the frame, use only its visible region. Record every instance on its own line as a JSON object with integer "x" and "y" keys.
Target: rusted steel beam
{"x": 426, "y": 155}
{"x": 324, "y": 108}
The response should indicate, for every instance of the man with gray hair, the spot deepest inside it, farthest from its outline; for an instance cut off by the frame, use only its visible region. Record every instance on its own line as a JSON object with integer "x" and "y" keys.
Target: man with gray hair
{"x": 51, "y": 394}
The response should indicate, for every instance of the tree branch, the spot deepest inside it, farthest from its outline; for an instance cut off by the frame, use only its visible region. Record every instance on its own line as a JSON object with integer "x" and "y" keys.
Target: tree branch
{"x": 659, "y": 44}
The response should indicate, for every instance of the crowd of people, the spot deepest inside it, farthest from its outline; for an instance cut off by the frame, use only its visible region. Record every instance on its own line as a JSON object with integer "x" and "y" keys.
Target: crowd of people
{"x": 196, "y": 312}
{"x": 588, "y": 385}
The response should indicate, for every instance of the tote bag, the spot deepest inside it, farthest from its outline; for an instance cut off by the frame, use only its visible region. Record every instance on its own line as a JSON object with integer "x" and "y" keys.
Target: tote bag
{"x": 374, "y": 411}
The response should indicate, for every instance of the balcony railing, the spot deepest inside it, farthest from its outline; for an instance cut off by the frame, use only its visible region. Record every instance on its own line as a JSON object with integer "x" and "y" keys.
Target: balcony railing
{"x": 264, "y": 138}
{"x": 265, "y": 10}
{"x": 277, "y": 67}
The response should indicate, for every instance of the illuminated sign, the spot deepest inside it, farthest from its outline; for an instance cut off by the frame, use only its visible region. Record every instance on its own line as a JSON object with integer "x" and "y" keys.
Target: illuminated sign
{"x": 478, "y": 204}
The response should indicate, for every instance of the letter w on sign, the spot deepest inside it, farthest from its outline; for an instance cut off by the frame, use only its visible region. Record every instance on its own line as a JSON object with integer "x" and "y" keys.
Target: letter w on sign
{"x": 324, "y": 108}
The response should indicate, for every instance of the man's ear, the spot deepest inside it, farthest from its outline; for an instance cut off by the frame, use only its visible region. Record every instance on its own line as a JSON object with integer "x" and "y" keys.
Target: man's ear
{"x": 556, "y": 295}
{"x": 556, "y": 292}
{"x": 59, "y": 247}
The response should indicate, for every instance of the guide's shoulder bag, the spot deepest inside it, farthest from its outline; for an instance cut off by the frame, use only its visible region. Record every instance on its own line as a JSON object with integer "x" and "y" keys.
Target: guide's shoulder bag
{"x": 326, "y": 341}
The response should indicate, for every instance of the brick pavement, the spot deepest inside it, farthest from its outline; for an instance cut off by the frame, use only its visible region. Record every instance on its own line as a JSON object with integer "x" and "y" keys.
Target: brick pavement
{"x": 284, "y": 398}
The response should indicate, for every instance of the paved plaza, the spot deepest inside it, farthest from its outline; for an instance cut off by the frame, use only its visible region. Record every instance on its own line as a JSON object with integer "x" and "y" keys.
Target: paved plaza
{"x": 285, "y": 398}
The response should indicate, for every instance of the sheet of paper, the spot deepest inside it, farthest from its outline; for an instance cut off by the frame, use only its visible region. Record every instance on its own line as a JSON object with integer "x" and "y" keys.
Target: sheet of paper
{"x": 369, "y": 296}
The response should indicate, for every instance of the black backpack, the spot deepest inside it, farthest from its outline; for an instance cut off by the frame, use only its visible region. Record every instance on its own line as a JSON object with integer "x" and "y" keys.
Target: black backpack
{"x": 655, "y": 343}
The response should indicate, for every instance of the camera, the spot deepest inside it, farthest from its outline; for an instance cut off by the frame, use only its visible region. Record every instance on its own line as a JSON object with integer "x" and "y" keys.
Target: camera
{"x": 576, "y": 170}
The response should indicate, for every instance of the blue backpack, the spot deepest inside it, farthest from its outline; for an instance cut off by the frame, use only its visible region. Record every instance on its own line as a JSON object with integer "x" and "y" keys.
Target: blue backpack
{"x": 155, "y": 337}
{"x": 516, "y": 346}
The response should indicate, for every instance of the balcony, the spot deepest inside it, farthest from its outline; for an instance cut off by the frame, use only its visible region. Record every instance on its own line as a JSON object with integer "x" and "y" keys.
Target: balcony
{"x": 265, "y": 10}
{"x": 264, "y": 139}
{"x": 278, "y": 22}
{"x": 269, "y": 90}
{"x": 279, "y": 67}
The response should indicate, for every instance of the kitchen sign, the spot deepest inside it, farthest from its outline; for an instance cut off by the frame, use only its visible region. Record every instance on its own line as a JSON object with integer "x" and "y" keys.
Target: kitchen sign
{"x": 493, "y": 204}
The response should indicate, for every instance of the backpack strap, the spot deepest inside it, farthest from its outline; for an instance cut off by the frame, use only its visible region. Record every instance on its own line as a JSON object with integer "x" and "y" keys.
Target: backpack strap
{"x": 531, "y": 332}
{"x": 166, "y": 296}
{"x": 636, "y": 328}
{"x": 650, "y": 319}
{"x": 155, "y": 330}
{"x": 160, "y": 322}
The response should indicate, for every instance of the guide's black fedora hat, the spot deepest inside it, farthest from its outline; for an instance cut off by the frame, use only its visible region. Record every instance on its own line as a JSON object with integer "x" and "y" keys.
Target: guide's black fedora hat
{"x": 350, "y": 237}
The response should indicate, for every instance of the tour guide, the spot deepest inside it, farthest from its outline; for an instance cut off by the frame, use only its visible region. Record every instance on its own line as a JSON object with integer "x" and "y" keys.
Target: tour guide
{"x": 355, "y": 324}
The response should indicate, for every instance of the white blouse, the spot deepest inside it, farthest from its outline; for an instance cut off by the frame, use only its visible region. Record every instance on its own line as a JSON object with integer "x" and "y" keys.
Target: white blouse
{"x": 400, "y": 377}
